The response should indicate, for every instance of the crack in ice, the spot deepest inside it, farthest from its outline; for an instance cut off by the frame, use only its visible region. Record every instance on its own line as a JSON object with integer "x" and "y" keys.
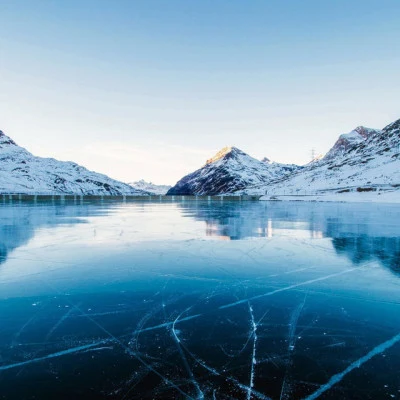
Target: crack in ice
{"x": 294, "y": 319}
{"x": 183, "y": 357}
{"x": 253, "y": 358}
{"x": 356, "y": 364}
{"x": 236, "y": 303}
{"x": 293, "y": 324}
{"x": 53, "y": 355}
{"x": 131, "y": 353}
{"x": 284, "y": 289}
{"x": 245, "y": 388}
{"x": 59, "y": 322}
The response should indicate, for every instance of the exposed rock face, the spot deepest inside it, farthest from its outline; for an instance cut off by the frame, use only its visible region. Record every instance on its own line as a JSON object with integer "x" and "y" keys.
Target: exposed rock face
{"x": 22, "y": 172}
{"x": 228, "y": 171}
{"x": 349, "y": 140}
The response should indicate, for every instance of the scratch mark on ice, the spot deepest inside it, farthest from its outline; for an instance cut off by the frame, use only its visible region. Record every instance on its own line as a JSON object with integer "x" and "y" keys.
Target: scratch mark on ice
{"x": 236, "y": 303}
{"x": 253, "y": 359}
{"x": 133, "y": 354}
{"x": 284, "y": 289}
{"x": 100, "y": 349}
{"x": 18, "y": 334}
{"x": 183, "y": 357}
{"x": 126, "y": 348}
{"x": 59, "y": 322}
{"x": 166, "y": 324}
{"x": 294, "y": 319}
{"x": 293, "y": 324}
{"x": 356, "y": 364}
{"x": 245, "y": 388}
{"x": 53, "y": 355}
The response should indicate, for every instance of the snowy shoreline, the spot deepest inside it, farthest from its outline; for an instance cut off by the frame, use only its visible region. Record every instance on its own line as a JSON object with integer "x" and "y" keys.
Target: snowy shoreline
{"x": 353, "y": 197}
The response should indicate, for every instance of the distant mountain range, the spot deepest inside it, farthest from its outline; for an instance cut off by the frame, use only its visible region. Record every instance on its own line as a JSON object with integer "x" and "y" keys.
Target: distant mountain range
{"x": 364, "y": 160}
{"x": 22, "y": 172}
{"x": 150, "y": 187}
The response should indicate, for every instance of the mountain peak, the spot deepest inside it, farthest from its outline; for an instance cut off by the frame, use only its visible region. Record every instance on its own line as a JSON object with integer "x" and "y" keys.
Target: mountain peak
{"x": 4, "y": 140}
{"x": 357, "y": 134}
{"x": 266, "y": 160}
{"x": 226, "y": 151}
{"x": 347, "y": 141}
{"x": 364, "y": 131}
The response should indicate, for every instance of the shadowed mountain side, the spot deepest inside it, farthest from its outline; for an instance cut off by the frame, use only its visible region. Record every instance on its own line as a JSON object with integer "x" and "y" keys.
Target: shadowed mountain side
{"x": 230, "y": 170}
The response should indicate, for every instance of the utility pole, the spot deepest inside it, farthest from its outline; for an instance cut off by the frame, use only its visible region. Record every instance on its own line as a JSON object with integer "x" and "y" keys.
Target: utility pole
{"x": 312, "y": 152}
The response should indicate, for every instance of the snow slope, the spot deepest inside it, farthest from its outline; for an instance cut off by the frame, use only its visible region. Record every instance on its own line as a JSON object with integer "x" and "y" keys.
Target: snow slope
{"x": 150, "y": 187}
{"x": 363, "y": 160}
{"x": 228, "y": 171}
{"x": 22, "y": 172}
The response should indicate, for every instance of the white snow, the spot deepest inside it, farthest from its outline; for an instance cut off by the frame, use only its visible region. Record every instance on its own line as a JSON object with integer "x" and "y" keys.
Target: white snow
{"x": 353, "y": 197}
{"x": 363, "y": 170}
{"x": 363, "y": 165}
{"x": 150, "y": 187}
{"x": 22, "y": 172}
{"x": 229, "y": 170}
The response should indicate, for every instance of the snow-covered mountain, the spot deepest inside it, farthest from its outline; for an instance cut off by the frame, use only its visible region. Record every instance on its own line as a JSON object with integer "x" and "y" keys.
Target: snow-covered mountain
{"x": 228, "y": 171}
{"x": 362, "y": 160}
{"x": 349, "y": 140}
{"x": 150, "y": 187}
{"x": 22, "y": 172}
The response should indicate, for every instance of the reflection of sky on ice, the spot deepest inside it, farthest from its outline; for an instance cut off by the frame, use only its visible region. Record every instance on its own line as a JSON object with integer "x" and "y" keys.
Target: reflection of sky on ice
{"x": 145, "y": 295}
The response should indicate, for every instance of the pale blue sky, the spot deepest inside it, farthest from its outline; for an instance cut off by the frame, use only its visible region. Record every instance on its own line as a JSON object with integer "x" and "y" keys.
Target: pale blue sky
{"x": 151, "y": 89}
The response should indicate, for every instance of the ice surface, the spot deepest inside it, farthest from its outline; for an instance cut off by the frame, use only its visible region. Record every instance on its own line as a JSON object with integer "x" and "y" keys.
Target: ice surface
{"x": 213, "y": 300}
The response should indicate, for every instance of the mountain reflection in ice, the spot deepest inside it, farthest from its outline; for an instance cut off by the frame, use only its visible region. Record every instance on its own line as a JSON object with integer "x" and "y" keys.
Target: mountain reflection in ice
{"x": 113, "y": 300}
{"x": 19, "y": 223}
{"x": 362, "y": 232}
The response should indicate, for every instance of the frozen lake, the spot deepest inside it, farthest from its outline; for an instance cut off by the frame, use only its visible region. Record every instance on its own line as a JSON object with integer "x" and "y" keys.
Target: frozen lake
{"x": 213, "y": 300}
